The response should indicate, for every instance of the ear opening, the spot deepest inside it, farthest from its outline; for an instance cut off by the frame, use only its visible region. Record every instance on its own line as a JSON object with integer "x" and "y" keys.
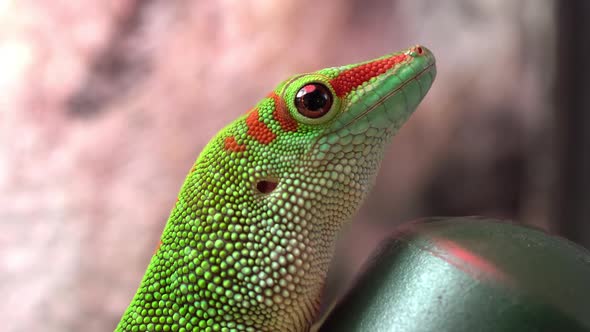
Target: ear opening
{"x": 266, "y": 186}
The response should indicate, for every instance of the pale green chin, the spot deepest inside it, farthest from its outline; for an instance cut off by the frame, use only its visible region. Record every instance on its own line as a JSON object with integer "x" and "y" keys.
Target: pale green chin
{"x": 353, "y": 145}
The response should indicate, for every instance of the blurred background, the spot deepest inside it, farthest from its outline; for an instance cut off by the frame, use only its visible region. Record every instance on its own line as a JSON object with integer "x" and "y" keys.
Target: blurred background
{"x": 104, "y": 106}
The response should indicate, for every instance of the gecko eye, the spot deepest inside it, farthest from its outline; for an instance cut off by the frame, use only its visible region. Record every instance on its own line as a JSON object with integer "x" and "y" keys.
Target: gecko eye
{"x": 313, "y": 100}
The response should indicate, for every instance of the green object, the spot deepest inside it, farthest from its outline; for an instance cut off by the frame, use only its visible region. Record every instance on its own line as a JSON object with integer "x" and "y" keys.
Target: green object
{"x": 249, "y": 241}
{"x": 470, "y": 274}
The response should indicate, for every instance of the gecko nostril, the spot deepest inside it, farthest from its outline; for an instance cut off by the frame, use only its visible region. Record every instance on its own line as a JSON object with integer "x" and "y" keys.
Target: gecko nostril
{"x": 266, "y": 186}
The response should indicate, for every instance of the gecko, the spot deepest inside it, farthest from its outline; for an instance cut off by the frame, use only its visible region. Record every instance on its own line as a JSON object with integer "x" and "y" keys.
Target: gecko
{"x": 249, "y": 240}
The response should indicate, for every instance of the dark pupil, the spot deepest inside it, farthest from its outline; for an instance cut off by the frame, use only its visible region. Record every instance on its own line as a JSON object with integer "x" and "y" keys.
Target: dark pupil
{"x": 313, "y": 100}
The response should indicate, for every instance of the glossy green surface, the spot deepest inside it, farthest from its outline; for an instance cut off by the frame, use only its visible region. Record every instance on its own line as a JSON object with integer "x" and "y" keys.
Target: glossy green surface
{"x": 470, "y": 274}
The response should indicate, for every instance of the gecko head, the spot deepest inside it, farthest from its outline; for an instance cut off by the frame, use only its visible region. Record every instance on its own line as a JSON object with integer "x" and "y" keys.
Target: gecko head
{"x": 329, "y": 128}
{"x": 340, "y": 120}
{"x": 370, "y": 101}
{"x": 325, "y": 120}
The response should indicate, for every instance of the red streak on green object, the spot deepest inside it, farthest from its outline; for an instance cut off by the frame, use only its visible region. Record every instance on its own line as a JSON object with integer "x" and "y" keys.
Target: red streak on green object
{"x": 468, "y": 261}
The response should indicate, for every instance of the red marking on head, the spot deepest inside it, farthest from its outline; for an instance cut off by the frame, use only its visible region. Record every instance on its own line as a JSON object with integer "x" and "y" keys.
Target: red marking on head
{"x": 349, "y": 79}
{"x": 258, "y": 130}
{"x": 230, "y": 144}
{"x": 281, "y": 114}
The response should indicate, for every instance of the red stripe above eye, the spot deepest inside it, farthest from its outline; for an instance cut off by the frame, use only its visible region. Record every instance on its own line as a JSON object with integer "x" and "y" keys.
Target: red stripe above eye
{"x": 351, "y": 78}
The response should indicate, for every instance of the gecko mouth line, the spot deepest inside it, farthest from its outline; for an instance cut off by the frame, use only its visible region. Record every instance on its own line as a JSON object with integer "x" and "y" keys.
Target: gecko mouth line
{"x": 382, "y": 99}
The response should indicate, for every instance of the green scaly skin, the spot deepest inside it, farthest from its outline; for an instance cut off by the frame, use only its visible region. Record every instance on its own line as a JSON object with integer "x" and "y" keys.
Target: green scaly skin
{"x": 238, "y": 253}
